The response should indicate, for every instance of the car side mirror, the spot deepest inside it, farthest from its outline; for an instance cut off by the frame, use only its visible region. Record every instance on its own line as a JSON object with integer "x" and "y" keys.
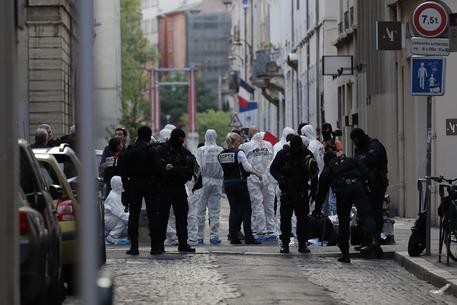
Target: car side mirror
{"x": 56, "y": 191}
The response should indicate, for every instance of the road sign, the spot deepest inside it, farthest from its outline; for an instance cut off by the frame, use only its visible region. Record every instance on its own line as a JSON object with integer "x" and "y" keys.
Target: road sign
{"x": 389, "y": 35}
{"x": 430, "y": 19}
{"x": 235, "y": 122}
{"x": 428, "y": 75}
{"x": 430, "y": 46}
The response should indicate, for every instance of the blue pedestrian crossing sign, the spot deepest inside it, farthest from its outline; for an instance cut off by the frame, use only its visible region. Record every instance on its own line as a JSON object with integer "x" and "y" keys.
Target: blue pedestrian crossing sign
{"x": 428, "y": 74}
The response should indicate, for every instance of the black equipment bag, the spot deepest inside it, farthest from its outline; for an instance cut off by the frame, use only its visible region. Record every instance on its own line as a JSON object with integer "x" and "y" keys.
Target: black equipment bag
{"x": 322, "y": 228}
{"x": 416, "y": 242}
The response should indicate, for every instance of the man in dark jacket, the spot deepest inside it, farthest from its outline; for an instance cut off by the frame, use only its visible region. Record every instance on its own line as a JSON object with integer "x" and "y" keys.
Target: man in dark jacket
{"x": 348, "y": 179}
{"x": 294, "y": 168}
{"x": 373, "y": 155}
{"x": 180, "y": 165}
{"x": 141, "y": 171}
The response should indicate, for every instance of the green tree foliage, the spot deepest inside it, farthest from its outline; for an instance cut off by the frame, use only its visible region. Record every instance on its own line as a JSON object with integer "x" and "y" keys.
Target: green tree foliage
{"x": 210, "y": 119}
{"x": 135, "y": 55}
{"x": 173, "y": 99}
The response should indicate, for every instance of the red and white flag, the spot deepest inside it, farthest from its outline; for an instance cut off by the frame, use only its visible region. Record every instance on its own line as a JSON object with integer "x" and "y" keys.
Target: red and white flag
{"x": 244, "y": 94}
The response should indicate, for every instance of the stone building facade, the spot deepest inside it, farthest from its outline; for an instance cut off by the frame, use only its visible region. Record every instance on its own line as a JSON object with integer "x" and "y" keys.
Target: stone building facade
{"x": 51, "y": 46}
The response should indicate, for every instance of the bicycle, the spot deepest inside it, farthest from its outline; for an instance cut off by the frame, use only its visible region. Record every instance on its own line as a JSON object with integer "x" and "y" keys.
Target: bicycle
{"x": 448, "y": 217}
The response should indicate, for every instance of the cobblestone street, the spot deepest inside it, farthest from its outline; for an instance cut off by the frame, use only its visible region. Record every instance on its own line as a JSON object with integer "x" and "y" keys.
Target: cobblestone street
{"x": 264, "y": 279}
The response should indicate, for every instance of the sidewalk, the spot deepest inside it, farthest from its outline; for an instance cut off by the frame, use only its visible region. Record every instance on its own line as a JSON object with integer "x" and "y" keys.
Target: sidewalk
{"x": 424, "y": 267}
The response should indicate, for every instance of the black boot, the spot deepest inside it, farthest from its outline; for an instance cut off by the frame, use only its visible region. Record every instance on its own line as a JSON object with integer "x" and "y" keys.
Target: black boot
{"x": 156, "y": 250}
{"x": 373, "y": 249}
{"x": 251, "y": 241}
{"x": 302, "y": 248}
{"x": 133, "y": 248}
{"x": 357, "y": 248}
{"x": 284, "y": 249}
{"x": 344, "y": 258}
{"x": 184, "y": 247}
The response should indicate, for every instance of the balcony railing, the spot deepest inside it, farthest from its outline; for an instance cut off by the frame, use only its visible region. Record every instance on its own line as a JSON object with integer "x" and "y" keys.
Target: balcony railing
{"x": 266, "y": 64}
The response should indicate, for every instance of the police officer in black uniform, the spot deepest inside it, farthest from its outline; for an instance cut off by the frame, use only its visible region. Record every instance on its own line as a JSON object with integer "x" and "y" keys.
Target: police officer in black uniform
{"x": 348, "y": 179}
{"x": 294, "y": 168}
{"x": 141, "y": 171}
{"x": 236, "y": 170}
{"x": 180, "y": 165}
{"x": 373, "y": 155}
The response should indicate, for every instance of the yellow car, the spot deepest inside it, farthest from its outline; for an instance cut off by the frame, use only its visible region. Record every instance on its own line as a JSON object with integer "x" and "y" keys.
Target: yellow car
{"x": 67, "y": 210}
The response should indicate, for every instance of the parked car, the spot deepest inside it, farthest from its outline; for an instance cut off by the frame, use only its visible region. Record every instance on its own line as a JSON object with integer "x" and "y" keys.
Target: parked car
{"x": 68, "y": 214}
{"x": 70, "y": 165}
{"x": 40, "y": 198}
{"x": 32, "y": 250}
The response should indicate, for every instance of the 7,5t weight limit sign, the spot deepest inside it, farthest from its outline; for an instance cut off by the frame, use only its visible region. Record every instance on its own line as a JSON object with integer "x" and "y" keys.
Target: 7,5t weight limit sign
{"x": 430, "y": 19}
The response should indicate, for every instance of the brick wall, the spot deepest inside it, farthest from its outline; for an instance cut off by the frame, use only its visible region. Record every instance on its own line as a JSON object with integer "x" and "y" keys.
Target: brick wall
{"x": 51, "y": 69}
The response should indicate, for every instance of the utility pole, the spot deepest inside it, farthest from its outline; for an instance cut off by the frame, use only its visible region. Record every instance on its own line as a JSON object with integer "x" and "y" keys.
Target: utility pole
{"x": 245, "y": 43}
{"x": 85, "y": 130}
{"x": 9, "y": 165}
{"x": 219, "y": 92}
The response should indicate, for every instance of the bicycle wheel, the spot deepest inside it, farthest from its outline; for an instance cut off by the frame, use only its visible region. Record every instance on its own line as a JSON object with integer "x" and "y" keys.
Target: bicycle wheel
{"x": 451, "y": 244}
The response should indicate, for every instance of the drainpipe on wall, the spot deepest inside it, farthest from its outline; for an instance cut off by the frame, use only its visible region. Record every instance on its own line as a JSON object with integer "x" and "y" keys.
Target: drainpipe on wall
{"x": 318, "y": 55}
{"x": 401, "y": 129}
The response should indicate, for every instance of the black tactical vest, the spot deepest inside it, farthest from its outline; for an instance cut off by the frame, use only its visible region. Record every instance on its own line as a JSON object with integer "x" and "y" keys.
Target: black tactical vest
{"x": 233, "y": 170}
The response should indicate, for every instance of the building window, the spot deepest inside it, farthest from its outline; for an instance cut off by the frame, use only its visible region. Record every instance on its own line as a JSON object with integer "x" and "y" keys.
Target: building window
{"x": 346, "y": 20}
{"x": 298, "y": 4}
{"x": 351, "y": 13}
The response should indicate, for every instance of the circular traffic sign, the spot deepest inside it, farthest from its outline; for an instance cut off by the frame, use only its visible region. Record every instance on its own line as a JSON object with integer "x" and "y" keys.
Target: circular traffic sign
{"x": 430, "y": 19}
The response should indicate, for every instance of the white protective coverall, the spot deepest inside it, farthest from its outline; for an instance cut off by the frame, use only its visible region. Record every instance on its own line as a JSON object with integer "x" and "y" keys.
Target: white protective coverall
{"x": 193, "y": 199}
{"x": 314, "y": 146}
{"x": 280, "y": 145}
{"x": 262, "y": 192}
{"x": 212, "y": 178}
{"x": 164, "y": 135}
{"x": 116, "y": 219}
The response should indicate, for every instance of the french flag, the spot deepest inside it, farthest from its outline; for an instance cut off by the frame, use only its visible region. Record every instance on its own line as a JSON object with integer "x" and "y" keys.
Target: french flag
{"x": 244, "y": 95}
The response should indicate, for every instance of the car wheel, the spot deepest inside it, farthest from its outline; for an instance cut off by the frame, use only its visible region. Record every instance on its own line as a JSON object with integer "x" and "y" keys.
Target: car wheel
{"x": 56, "y": 292}
{"x": 41, "y": 298}
{"x": 71, "y": 278}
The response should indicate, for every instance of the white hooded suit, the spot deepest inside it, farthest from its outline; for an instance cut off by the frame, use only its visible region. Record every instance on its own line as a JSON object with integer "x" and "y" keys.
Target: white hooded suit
{"x": 116, "y": 219}
{"x": 212, "y": 179}
{"x": 262, "y": 192}
{"x": 314, "y": 146}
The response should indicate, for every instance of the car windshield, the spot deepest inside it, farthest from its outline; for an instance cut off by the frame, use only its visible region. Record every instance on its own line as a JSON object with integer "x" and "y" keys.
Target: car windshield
{"x": 67, "y": 166}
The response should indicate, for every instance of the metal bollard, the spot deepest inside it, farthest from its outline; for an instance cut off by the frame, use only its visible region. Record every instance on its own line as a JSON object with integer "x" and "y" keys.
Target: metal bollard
{"x": 105, "y": 288}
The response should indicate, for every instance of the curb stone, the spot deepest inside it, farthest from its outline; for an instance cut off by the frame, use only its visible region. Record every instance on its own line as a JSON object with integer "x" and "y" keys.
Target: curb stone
{"x": 426, "y": 271}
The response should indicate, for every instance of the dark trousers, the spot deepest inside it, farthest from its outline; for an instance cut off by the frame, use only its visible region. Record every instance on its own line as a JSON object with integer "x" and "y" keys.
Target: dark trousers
{"x": 377, "y": 194}
{"x": 346, "y": 195}
{"x": 137, "y": 190}
{"x": 240, "y": 208}
{"x": 175, "y": 197}
{"x": 301, "y": 210}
